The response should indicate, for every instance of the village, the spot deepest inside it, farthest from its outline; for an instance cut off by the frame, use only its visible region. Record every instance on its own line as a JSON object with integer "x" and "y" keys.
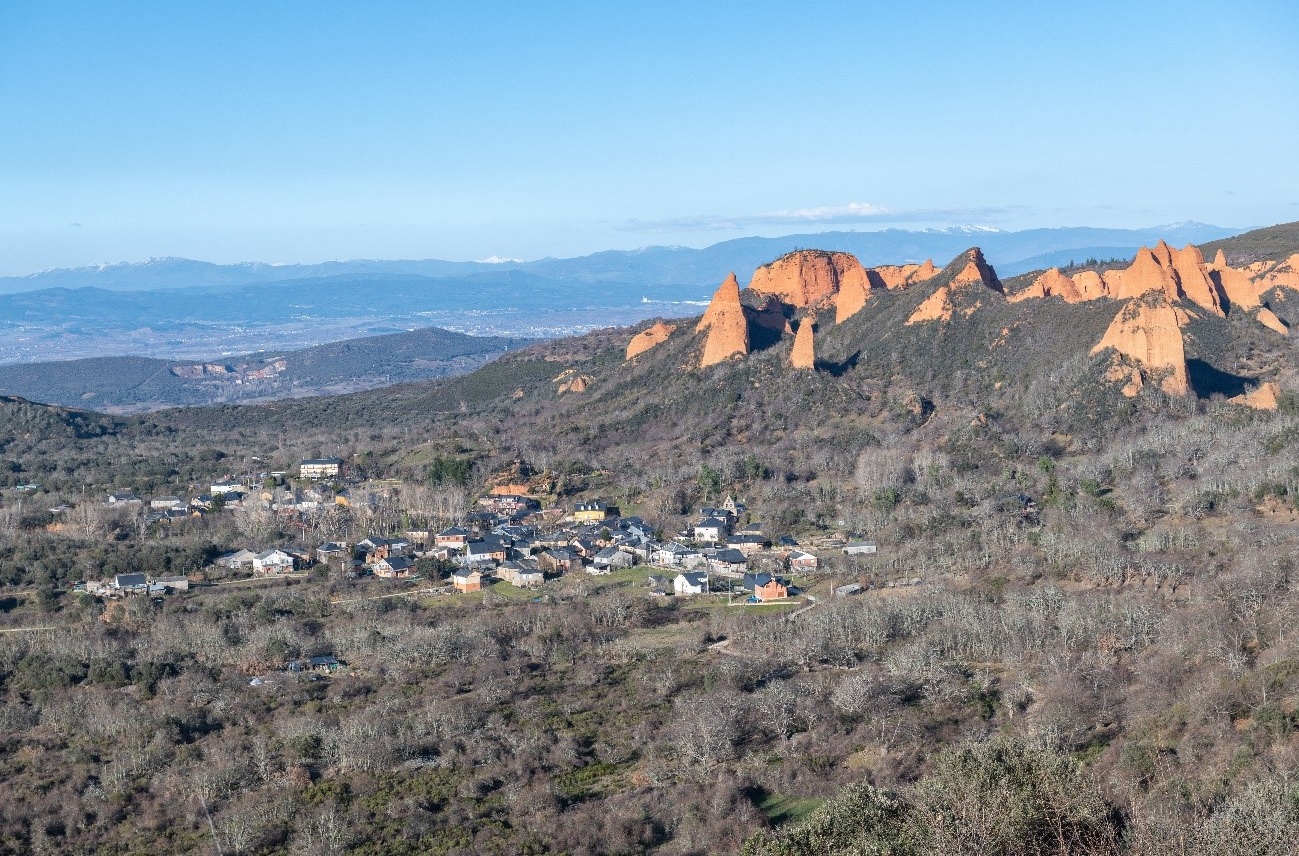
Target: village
{"x": 506, "y": 537}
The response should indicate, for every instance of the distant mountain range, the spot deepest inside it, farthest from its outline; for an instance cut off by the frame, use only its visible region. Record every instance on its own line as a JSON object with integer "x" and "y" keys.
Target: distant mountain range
{"x": 1008, "y": 251}
{"x": 183, "y": 309}
{"x": 128, "y": 383}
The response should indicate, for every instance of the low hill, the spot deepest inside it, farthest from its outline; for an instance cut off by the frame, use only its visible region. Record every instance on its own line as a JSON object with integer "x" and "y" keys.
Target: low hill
{"x": 124, "y": 384}
{"x": 1273, "y": 243}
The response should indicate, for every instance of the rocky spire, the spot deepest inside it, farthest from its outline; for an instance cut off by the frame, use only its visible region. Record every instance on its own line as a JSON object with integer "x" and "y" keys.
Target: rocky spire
{"x": 803, "y": 355}
{"x": 728, "y": 330}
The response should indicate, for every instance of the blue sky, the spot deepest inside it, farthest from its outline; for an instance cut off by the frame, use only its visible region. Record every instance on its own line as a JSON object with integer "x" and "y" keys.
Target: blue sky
{"x": 284, "y": 132}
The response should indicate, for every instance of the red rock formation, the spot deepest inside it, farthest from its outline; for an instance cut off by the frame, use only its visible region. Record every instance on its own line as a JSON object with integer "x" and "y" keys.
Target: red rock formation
{"x": 928, "y": 270}
{"x": 809, "y": 277}
{"x": 803, "y": 355}
{"x": 936, "y": 307}
{"x": 646, "y": 339}
{"x": 1193, "y": 277}
{"x": 850, "y": 300}
{"x": 728, "y": 330}
{"x": 1240, "y": 290}
{"x": 900, "y": 276}
{"x": 1178, "y": 274}
{"x": 1263, "y": 398}
{"x": 1268, "y": 319}
{"x": 1147, "y": 333}
{"x": 570, "y": 381}
{"x": 977, "y": 271}
{"x": 1146, "y": 273}
{"x": 1277, "y": 275}
{"x": 1090, "y": 285}
{"x": 1053, "y": 283}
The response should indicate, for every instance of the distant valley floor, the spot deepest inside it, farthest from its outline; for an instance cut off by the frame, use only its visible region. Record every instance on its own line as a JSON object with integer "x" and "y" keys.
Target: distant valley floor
{"x": 133, "y": 383}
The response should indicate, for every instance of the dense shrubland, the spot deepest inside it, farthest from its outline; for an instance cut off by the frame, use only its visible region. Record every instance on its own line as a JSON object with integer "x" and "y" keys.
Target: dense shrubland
{"x": 1099, "y": 657}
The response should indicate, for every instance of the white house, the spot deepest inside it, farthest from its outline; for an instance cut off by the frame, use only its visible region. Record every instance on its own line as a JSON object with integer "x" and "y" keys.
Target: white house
{"x": 690, "y": 583}
{"x": 859, "y": 548}
{"x": 711, "y": 529}
{"x": 273, "y": 562}
{"x": 801, "y": 561}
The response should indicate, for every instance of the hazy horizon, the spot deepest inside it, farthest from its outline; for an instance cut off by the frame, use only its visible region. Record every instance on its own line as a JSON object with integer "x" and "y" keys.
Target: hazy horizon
{"x": 306, "y": 131}
{"x": 769, "y": 234}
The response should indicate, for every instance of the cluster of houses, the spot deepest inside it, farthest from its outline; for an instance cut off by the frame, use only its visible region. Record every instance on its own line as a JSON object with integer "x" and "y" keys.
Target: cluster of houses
{"x": 505, "y": 542}
{"x": 167, "y": 508}
{"x": 510, "y": 538}
{"x": 232, "y": 493}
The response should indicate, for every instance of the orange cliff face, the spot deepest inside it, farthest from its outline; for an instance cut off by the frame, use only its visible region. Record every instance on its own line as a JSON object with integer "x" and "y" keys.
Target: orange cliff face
{"x": 1146, "y": 332}
{"x": 975, "y": 272}
{"x": 1262, "y": 398}
{"x": 1241, "y": 291}
{"x": 1177, "y": 274}
{"x": 810, "y": 277}
{"x": 1053, "y": 283}
{"x": 900, "y": 276}
{"x": 728, "y": 330}
{"x": 820, "y": 278}
{"x": 1277, "y": 274}
{"x": 1193, "y": 277}
{"x": 650, "y": 338}
{"x": 803, "y": 355}
{"x": 1269, "y": 319}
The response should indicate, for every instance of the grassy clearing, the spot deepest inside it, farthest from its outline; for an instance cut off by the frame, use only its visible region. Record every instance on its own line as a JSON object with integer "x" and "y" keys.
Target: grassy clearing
{"x": 782, "y": 809}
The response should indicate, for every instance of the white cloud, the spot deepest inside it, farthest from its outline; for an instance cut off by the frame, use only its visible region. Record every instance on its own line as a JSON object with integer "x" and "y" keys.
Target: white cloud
{"x": 853, "y": 212}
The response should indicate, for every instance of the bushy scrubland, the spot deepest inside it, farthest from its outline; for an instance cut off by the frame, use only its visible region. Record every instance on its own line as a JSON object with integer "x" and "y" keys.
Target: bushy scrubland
{"x": 1094, "y": 650}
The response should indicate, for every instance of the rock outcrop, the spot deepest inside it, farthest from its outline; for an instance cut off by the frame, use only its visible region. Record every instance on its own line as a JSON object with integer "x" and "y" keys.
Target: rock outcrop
{"x": 974, "y": 271}
{"x": 570, "y": 381}
{"x": 803, "y": 355}
{"x": 1268, "y": 319}
{"x": 1177, "y": 274}
{"x": 1262, "y": 398}
{"x": 1053, "y": 283}
{"x": 1194, "y": 280}
{"x": 1235, "y": 285}
{"x": 900, "y": 276}
{"x": 819, "y": 279}
{"x": 1283, "y": 274}
{"x": 649, "y": 338}
{"x": 810, "y": 277}
{"x": 726, "y": 325}
{"x": 977, "y": 271}
{"x": 1148, "y": 341}
{"x": 936, "y": 307}
{"x": 850, "y": 300}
